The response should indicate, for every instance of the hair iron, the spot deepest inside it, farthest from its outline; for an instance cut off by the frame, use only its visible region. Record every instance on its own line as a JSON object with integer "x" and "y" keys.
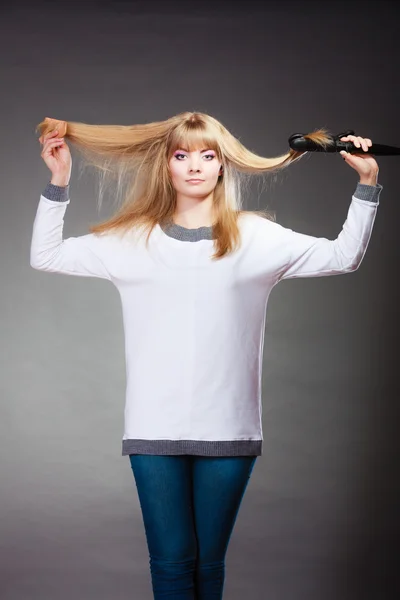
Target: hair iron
{"x": 300, "y": 143}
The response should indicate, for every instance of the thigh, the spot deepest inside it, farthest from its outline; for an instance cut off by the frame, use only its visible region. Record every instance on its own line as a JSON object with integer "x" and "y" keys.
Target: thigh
{"x": 219, "y": 484}
{"x": 164, "y": 486}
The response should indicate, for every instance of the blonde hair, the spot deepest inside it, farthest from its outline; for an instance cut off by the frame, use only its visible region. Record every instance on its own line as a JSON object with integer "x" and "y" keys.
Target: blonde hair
{"x": 137, "y": 157}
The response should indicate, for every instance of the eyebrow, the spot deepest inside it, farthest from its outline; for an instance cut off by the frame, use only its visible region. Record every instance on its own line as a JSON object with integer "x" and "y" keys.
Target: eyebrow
{"x": 184, "y": 149}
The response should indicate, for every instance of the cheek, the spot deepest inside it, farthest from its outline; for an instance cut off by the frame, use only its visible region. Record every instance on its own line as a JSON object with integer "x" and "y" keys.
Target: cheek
{"x": 214, "y": 169}
{"x": 175, "y": 170}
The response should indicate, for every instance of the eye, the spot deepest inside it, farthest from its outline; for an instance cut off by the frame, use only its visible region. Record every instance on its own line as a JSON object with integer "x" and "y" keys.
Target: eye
{"x": 177, "y": 155}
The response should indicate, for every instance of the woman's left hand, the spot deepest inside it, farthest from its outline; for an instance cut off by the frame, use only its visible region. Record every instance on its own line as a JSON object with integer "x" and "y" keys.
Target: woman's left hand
{"x": 365, "y": 164}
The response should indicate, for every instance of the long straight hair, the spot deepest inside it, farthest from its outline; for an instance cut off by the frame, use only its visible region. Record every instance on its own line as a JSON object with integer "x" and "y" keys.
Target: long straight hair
{"x": 137, "y": 158}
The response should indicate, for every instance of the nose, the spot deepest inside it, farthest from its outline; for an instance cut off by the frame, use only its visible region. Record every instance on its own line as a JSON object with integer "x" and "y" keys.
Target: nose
{"x": 194, "y": 167}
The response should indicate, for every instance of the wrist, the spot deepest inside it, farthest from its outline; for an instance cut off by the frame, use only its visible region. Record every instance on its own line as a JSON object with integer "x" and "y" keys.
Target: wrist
{"x": 59, "y": 181}
{"x": 370, "y": 180}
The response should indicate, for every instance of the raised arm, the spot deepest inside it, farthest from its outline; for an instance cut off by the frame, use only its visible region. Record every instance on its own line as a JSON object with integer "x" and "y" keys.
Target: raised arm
{"x": 316, "y": 257}
{"x": 84, "y": 256}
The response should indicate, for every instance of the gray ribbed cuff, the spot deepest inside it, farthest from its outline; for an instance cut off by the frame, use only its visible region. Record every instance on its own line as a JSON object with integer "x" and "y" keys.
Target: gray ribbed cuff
{"x": 368, "y": 192}
{"x": 56, "y": 192}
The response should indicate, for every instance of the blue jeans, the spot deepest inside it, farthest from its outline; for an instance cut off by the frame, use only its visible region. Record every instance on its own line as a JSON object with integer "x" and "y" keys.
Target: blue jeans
{"x": 189, "y": 506}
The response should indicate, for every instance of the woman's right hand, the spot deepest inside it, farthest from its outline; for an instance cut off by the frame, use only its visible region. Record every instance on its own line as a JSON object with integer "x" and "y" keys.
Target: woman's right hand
{"x": 57, "y": 157}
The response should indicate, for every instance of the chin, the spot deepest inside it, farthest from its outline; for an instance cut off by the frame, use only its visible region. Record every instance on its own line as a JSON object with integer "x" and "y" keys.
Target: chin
{"x": 195, "y": 190}
{"x": 199, "y": 195}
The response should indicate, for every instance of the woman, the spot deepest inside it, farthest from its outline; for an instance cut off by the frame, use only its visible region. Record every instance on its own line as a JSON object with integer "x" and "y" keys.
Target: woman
{"x": 194, "y": 299}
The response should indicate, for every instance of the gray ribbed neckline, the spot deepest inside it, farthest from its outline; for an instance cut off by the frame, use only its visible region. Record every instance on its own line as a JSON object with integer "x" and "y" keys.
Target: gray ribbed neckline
{"x": 187, "y": 235}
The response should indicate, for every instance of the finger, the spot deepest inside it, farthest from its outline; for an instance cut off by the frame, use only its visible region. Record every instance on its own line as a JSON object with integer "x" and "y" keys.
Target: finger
{"x": 47, "y": 136}
{"x": 51, "y": 144}
{"x": 358, "y": 142}
{"x": 351, "y": 138}
{"x": 51, "y": 134}
{"x": 355, "y": 139}
{"x": 363, "y": 143}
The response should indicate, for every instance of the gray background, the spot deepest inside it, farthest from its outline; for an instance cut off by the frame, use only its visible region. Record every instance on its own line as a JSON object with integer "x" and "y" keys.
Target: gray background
{"x": 320, "y": 517}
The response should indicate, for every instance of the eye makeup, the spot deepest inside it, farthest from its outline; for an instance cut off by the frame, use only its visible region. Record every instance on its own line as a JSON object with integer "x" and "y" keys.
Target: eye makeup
{"x": 181, "y": 152}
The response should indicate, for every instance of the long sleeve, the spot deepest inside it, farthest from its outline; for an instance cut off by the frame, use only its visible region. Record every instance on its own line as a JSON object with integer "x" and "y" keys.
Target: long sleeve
{"x": 83, "y": 256}
{"x": 316, "y": 257}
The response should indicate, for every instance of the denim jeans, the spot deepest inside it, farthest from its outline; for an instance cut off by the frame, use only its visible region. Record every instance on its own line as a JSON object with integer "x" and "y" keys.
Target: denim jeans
{"x": 189, "y": 506}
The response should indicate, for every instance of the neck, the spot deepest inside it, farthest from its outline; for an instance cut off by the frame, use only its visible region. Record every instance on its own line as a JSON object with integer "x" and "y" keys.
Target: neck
{"x": 193, "y": 213}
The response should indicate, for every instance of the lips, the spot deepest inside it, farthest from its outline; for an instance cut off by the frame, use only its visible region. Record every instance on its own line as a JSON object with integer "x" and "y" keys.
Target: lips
{"x": 195, "y": 180}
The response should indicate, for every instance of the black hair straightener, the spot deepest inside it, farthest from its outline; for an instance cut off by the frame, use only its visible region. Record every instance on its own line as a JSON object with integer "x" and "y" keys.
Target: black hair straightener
{"x": 298, "y": 142}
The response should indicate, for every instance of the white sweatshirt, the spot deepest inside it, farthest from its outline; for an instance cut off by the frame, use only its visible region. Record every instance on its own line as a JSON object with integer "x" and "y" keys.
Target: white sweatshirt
{"x": 194, "y": 328}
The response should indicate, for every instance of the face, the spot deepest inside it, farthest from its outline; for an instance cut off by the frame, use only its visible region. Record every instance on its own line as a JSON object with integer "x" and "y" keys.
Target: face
{"x": 202, "y": 164}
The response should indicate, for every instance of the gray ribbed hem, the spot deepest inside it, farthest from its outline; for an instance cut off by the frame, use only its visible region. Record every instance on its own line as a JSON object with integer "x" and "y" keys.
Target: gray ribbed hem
{"x": 194, "y": 447}
{"x": 56, "y": 192}
{"x": 368, "y": 192}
